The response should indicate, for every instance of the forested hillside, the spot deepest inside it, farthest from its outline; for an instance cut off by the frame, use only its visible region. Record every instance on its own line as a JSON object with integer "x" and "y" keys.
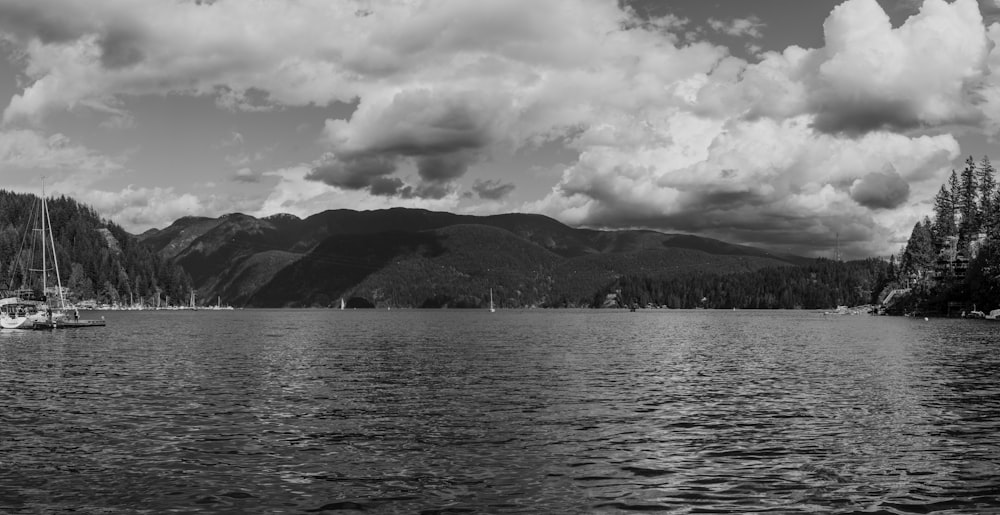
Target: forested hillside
{"x": 417, "y": 258}
{"x": 97, "y": 259}
{"x": 951, "y": 262}
{"x": 820, "y": 284}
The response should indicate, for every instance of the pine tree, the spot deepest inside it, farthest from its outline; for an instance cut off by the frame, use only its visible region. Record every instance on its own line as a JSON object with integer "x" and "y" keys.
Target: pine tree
{"x": 987, "y": 196}
{"x": 968, "y": 208}
{"x": 944, "y": 217}
{"x": 919, "y": 255}
{"x": 955, "y": 189}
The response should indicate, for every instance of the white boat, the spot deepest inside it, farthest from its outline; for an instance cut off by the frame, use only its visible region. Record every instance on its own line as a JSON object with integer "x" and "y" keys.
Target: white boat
{"x": 492, "y": 309}
{"x": 24, "y": 309}
{"x": 994, "y": 315}
{"x": 342, "y": 304}
{"x": 27, "y": 307}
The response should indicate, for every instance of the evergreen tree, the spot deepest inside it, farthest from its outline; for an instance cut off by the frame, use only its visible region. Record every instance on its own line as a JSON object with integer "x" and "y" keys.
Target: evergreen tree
{"x": 987, "y": 196}
{"x": 919, "y": 255}
{"x": 968, "y": 208}
{"x": 944, "y": 216}
{"x": 955, "y": 190}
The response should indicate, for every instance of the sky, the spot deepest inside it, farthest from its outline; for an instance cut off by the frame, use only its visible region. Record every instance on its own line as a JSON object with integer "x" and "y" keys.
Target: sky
{"x": 790, "y": 125}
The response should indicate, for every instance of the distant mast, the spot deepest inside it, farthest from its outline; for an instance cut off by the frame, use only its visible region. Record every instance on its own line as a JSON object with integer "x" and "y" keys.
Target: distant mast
{"x": 836, "y": 252}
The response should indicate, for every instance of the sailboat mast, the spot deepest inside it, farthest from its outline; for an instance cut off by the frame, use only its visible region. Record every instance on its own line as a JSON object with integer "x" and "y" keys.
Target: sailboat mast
{"x": 44, "y": 243}
{"x": 55, "y": 261}
{"x": 46, "y": 224}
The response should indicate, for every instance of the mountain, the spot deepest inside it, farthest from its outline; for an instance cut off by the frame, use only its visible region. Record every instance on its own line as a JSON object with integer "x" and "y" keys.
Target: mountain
{"x": 419, "y": 258}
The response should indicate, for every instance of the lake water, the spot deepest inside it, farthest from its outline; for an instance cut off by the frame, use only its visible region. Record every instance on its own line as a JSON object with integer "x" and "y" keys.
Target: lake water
{"x": 537, "y": 411}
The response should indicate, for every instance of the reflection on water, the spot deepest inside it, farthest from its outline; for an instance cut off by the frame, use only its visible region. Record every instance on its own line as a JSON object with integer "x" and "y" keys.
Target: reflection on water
{"x": 512, "y": 412}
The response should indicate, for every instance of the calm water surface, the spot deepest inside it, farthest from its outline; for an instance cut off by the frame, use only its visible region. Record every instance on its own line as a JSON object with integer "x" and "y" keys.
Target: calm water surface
{"x": 439, "y": 412}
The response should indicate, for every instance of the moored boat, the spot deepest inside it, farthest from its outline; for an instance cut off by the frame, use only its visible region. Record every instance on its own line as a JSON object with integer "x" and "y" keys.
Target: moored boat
{"x": 23, "y": 309}
{"x": 28, "y": 307}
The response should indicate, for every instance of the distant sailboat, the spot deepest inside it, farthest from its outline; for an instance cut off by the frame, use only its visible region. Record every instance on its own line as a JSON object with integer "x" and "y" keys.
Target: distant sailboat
{"x": 492, "y": 309}
{"x": 342, "y": 303}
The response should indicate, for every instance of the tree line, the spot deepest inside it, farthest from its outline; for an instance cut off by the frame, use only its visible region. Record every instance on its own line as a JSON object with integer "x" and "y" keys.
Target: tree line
{"x": 97, "y": 259}
{"x": 822, "y": 284}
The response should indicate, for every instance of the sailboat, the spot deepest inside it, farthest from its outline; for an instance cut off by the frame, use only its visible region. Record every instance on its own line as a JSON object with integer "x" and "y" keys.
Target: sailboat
{"x": 342, "y": 304}
{"x": 28, "y": 306}
{"x": 492, "y": 309}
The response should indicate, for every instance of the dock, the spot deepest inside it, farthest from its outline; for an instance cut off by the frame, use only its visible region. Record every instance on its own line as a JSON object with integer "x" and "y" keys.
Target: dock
{"x": 68, "y": 324}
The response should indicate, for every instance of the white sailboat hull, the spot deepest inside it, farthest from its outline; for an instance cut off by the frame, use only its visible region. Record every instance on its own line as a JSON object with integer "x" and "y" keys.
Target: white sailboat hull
{"x": 25, "y": 321}
{"x": 17, "y": 322}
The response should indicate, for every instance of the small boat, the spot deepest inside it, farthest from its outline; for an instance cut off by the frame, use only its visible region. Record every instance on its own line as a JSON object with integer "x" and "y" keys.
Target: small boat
{"x": 994, "y": 315}
{"x": 342, "y": 304}
{"x": 492, "y": 309}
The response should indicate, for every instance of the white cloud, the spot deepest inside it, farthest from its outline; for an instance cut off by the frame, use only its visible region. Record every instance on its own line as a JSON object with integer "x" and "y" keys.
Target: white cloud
{"x": 138, "y": 208}
{"x": 923, "y": 73}
{"x": 759, "y": 181}
{"x": 670, "y": 135}
{"x": 56, "y": 155}
{"x": 740, "y": 27}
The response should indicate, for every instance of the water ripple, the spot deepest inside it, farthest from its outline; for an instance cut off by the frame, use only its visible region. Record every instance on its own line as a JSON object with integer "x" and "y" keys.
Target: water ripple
{"x": 517, "y": 412}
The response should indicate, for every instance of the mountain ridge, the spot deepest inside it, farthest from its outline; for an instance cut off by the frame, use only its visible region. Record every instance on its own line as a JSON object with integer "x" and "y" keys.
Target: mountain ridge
{"x": 420, "y": 258}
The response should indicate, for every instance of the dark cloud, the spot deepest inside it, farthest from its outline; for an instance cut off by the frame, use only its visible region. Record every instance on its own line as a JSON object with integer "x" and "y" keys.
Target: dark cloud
{"x": 432, "y": 190}
{"x": 373, "y": 172}
{"x": 990, "y": 10}
{"x": 50, "y": 23}
{"x": 856, "y": 116}
{"x": 354, "y": 172}
{"x": 725, "y": 199}
{"x": 29, "y": 19}
{"x": 120, "y": 48}
{"x": 387, "y": 187}
{"x": 492, "y": 189}
{"x": 881, "y": 190}
{"x": 420, "y": 124}
{"x": 443, "y": 168}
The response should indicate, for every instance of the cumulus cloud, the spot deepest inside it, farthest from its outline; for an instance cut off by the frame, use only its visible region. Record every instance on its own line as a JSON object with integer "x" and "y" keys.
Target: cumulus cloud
{"x": 32, "y": 150}
{"x": 440, "y": 132}
{"x": 782, "y": 151}
{"x": 923, "y": 73}
{"x": 669, "y": 134}
{"x": 759, "y": 181}
{"x": 138, "y": 208}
